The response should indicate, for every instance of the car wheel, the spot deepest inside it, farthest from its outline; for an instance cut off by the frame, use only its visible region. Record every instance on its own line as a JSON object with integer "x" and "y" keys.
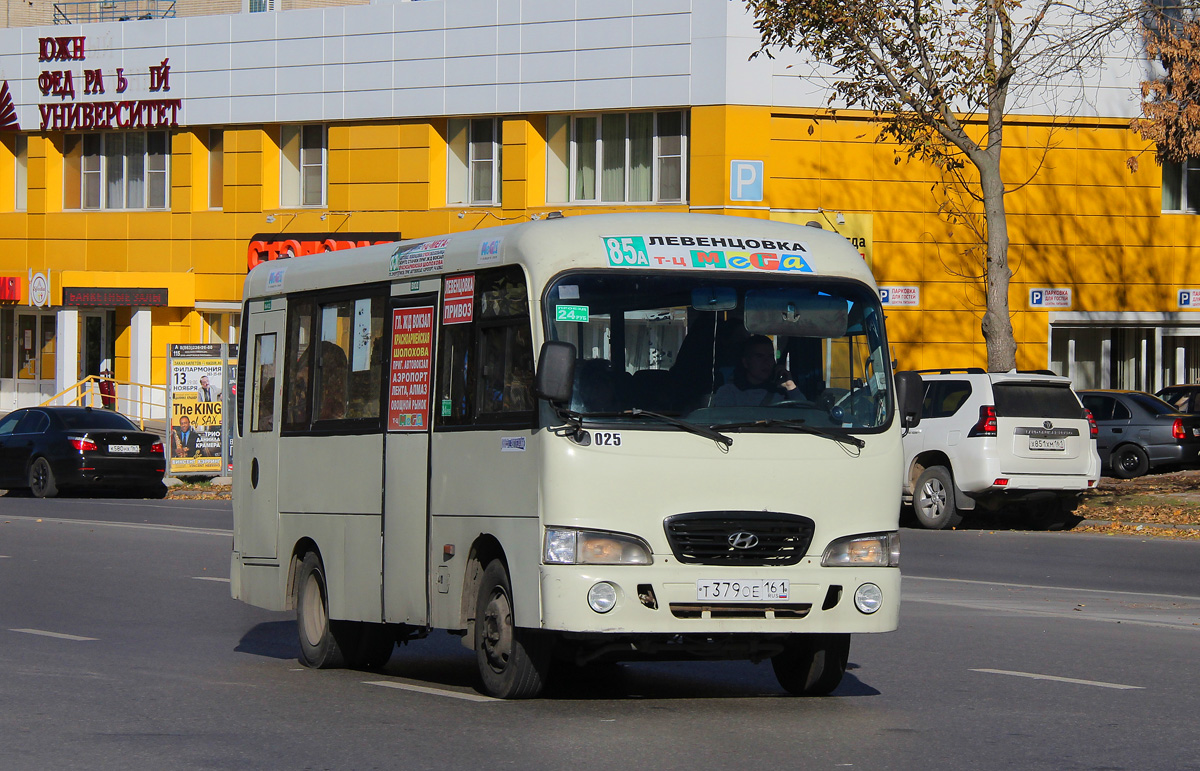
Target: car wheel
{"x": 41, "y": 479}
{"x": 1129, "y": 461}
{"x": 513, "y": 663}
{"x": 812, "y": 664}
{"x": 933, "y": 499}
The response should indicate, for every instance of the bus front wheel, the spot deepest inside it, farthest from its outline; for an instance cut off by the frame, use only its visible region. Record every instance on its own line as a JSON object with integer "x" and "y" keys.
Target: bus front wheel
{"x": 513, "y": 662}
{"x": 812, "y": 664}
{"x": 319, "y": 647}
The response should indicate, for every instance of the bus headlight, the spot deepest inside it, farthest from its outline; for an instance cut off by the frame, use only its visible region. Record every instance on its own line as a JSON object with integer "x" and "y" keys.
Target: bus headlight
{"x": 875, "y": 550}
{"x": 566, "y": 546}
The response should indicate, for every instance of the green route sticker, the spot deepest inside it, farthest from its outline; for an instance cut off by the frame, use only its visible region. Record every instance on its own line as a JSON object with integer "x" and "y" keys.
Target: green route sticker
{"x": 570, "y": 313}
{"x": 446, "y": 408}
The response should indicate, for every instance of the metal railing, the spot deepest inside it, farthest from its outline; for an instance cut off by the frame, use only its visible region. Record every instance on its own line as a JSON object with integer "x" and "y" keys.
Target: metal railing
{"x": 100, "y": 391}
{"x": 113, "y": 10}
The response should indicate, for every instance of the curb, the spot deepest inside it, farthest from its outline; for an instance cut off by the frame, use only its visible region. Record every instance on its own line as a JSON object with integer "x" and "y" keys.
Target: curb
{"x": 1165, "y": 525}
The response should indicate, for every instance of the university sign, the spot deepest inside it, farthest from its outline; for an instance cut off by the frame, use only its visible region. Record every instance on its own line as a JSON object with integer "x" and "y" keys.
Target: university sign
{"x": 61, "y": 85}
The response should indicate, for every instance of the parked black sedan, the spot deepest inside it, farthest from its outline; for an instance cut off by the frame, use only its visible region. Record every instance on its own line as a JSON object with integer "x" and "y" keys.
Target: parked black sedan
{"x": 1139, "y": 432}
{"x": 48, "y": 449}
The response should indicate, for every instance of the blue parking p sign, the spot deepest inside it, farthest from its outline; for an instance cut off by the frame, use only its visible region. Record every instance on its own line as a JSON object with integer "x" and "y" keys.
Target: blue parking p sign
{"x": 745, "y": 180}
{"x": 1187, "y": 298}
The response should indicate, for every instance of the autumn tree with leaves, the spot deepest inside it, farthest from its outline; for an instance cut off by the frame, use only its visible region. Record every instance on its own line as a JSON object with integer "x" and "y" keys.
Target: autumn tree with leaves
{"x": 938, "y": 75}
{"x": 1170, "y": 104}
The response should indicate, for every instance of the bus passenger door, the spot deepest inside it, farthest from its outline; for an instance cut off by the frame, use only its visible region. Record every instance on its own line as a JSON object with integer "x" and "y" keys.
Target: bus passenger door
{"x": 407, "y": 415}
{"x": 256, "y": 526}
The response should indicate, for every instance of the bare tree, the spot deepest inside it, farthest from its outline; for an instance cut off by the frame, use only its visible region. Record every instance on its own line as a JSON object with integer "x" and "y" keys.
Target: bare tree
{"x": 939, "y": 75}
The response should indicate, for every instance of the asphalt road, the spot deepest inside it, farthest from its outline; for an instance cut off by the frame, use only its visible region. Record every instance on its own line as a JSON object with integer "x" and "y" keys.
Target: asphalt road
{"x": 121, "y": 649}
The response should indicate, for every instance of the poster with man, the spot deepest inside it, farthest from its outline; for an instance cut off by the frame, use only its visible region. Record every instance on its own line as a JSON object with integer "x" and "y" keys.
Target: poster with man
{"x": 197, "y": 387}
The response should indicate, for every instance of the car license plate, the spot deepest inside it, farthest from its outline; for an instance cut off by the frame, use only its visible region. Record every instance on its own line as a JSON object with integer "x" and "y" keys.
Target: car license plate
{"x": 124, "y": 448}
{"x": 741, "y": 591}
{"x": 1041, "y": 443}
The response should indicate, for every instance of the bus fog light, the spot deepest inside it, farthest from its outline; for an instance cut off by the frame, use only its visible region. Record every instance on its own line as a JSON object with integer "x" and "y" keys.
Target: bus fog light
{"x": 602, "y": 597}
{"x": 868, "y": 598}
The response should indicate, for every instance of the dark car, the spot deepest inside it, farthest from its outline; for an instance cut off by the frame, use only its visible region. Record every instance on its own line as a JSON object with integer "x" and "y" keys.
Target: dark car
{"x": 48, "y": 449}
{"x": 1185, "y": 398}
{"x": 1139, "y": 432}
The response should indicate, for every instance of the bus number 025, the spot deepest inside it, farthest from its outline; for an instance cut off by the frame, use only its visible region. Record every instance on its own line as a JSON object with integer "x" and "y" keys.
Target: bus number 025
{"x": 607, "y": 438}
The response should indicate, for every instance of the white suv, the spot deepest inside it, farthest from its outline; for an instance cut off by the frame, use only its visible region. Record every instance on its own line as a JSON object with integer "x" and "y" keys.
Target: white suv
{"x": 987, "y": 439}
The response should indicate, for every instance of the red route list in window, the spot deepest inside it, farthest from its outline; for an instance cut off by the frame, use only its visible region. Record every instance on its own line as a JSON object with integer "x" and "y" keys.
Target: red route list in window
{"x": 412, "y": 354}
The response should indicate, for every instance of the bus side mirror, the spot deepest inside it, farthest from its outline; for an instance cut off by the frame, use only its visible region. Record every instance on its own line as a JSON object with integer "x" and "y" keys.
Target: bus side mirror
{"x": 555, "y": 378}
{"x": 910, "y": 393}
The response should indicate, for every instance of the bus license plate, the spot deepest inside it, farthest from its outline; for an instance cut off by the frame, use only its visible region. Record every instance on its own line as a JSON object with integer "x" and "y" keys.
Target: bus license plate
{"x": 741, "y": 591}
{"x": 125, "y": 448}
{"x": 1040, "y": 443}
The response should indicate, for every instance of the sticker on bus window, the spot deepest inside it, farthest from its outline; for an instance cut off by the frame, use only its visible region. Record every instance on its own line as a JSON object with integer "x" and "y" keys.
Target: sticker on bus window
{"x": 512, "y": 444}
{"x": 459, "y": 301}
{"x": 408, "y": 381}
{"x": 570, "y": 313}
{"x": 447, "y": 405}
{"x": 568, "y": 291}
{"x": 489, "y": 252}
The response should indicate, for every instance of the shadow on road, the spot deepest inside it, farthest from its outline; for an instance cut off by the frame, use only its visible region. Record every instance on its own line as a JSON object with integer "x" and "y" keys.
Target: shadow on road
{"x": 273, "y": 639}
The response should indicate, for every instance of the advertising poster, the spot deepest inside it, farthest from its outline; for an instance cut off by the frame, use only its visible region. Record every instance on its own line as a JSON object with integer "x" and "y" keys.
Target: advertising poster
{"x": 197, "y": 394}
{"x": 408, "y": 379}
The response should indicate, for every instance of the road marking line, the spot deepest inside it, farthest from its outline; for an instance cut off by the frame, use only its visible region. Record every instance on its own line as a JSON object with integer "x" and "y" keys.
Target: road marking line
{"x": 434, "y": 691}
{"x": 1192, "y": 598}
{"x": 58, "y": 635}
{"x": 128, "y": 504}
{"x": 1033, "y": 676}
{"x": 211, "y": 578}
{"x": 129, "y": 525}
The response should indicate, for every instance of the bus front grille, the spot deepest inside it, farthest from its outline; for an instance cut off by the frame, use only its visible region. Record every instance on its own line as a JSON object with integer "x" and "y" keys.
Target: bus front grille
{"x": 739, "y": 538}
{"x": 738, "y": 610}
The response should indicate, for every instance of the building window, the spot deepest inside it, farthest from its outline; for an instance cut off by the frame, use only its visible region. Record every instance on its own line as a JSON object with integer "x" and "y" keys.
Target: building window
{"x": 473, "y": 164}
{"x": 637, "y": 157}
{"x": 216, "y": 168}
{"x": 127, "y": 170}
{"x": 302, "y": 166}
{"x": 1181, "y": 186}
{"x": 260, "y": 6}
{"x": 20, "y": 171}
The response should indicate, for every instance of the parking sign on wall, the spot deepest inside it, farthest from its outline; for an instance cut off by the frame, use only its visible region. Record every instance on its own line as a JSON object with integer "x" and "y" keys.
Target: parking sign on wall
{"x": 1049, "y": 297}
{"x": 1189, "y": 299}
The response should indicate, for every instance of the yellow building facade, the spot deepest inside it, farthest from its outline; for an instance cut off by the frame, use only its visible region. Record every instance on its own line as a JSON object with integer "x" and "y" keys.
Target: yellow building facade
{"x": 1101, "y": 284}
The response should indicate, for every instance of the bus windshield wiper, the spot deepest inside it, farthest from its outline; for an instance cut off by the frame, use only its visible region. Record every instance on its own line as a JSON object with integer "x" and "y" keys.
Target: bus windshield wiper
{"x": 708, "y": 432}
{"x": 835, "y": 434}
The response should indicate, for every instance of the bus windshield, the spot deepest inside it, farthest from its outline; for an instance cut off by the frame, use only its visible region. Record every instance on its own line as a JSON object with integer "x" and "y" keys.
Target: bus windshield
{"x": 723, "y": 350}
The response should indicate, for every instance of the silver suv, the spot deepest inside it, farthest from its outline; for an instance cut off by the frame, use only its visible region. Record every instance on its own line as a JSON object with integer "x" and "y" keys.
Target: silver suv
{"x": 987, "y": 439}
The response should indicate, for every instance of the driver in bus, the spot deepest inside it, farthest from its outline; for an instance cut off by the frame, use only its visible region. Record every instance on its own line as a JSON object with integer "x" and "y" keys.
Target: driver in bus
{"x": 758, "y": 379}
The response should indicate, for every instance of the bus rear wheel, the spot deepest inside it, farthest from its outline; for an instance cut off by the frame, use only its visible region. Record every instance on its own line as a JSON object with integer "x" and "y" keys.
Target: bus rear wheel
{"x": 513, "y": 662}
{"x": 812, "y": 664}
{"x": 319, "y": 647}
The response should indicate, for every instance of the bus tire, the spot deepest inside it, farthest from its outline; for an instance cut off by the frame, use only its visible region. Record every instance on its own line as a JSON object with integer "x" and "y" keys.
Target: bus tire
{"x": 812, "y": 664}
{"x": 513, "y": 662}
{"x": 319, "y": 648}
{"x": 933, "y": 499}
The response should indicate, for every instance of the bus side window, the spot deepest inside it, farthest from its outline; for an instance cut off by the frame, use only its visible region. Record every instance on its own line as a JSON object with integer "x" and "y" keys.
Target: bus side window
{"x": 264, "y": 383}
{"x": 506, "y": 370}
{"x": 455, "y": 388}
{"x": 297, "y": 397}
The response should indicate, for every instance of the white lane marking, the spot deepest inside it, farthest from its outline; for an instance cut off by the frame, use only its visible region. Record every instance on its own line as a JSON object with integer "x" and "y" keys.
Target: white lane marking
{"x": 1033, "y": 676}
{"x": 211, "y": 578}
{"x": 434, "y": 691}
{"x": 1192, "y": 598}
{"x": 129, "y": 525}
{"x": 58, "y": 635}
{"x": 130, "y": 504}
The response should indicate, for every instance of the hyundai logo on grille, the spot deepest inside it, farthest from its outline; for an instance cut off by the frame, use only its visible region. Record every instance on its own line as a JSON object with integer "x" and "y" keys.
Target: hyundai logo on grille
{"x": 743, "y": 540}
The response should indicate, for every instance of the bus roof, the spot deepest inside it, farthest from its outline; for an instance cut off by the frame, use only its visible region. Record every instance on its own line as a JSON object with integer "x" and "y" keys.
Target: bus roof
{"x": 629, "y": 241}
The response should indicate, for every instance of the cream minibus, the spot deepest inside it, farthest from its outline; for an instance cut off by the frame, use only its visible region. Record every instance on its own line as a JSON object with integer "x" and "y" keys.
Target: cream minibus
{"x": 704, "y": 464}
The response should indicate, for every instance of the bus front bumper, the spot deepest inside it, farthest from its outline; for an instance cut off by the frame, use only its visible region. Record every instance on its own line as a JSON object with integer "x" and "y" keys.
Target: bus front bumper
{"x": 657, "y": 600}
